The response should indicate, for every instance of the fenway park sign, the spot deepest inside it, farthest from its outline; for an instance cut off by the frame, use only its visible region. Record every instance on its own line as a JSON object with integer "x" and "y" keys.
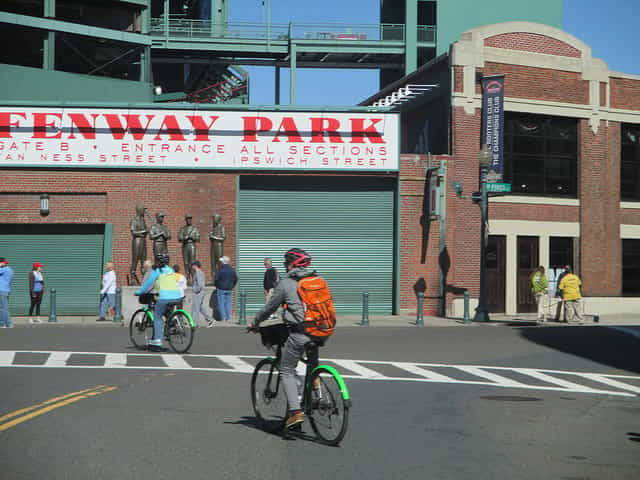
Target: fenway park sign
{"x": 120, "y": 138}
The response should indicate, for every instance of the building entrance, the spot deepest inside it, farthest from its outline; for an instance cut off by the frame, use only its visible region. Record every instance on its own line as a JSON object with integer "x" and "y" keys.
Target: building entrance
{"x": 495, "y": 263}
{"x": 528, "y": 248}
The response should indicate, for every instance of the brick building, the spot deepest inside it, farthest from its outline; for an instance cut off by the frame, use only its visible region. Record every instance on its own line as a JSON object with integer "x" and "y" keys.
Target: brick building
{"x": 572, "y": 154}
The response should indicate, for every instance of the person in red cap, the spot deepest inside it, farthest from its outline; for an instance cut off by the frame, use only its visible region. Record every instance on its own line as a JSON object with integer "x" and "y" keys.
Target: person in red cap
{"x": 36, "y": 290}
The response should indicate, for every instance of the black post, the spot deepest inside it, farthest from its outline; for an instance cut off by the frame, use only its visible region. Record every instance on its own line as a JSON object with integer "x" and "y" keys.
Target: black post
{"x": 419, "y": 313}
{"x": 365, "y": 309}
{"x": 118, "y": 315}
{"x": 52, "y": 306}
{"x": 482, "y": 311}
{"x": 242, "y": 320}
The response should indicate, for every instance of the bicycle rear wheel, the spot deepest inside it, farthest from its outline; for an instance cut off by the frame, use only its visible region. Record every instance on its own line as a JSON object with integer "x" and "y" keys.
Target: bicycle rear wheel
{"x": 328, "y": 410}
{"x": 180, "y": 332}
{"x": 140, "y": 329}
{"x": 267, "y": 395}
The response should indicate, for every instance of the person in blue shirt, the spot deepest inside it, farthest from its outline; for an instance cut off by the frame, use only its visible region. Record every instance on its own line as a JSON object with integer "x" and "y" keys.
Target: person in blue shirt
{"x": 6, "y": 276}
{"x": 162, "y": 280}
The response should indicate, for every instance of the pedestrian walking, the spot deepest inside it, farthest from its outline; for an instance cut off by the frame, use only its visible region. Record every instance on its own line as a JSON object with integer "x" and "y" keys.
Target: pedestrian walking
{"x": 36, "y": 290}
{"x": 270, "y": 280}
{"x": 197, "y": 302}
{"x": 225, "y": 281}
{"x": 561, "y": 313}
{"x": 107, "y": 292}
{"x": 6, "y": 277}
{"x": 539, "y": 285}
{"x": 571, "y": 296}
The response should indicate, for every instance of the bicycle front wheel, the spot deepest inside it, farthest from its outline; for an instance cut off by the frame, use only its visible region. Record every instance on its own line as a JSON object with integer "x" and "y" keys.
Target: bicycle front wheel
{"x": 267, "y": 395}
{"x": 327, "y": 408}
{"x": 140, "y": 329}
{"x": 180, "y": 332}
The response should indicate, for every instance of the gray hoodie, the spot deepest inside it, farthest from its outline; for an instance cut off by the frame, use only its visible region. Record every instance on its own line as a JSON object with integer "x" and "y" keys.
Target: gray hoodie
{"x": 286, "y": 292}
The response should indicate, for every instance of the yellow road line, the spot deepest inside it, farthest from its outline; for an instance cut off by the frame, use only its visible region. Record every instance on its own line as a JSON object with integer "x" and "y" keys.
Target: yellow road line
{"x": 52, "y": 404}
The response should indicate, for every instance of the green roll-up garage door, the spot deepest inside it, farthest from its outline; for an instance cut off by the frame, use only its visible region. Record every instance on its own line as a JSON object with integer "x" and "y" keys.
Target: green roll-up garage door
{"x": 72, "y": 257}
{"x": 347, "y": 224}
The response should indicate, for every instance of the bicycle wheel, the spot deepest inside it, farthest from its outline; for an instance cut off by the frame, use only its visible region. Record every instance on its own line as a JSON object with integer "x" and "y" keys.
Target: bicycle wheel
{"x": 180, "y": 332}
{"x": 267, "y": 395}
{"x": 140, "y": 328}
{"x": 326, "y": 407}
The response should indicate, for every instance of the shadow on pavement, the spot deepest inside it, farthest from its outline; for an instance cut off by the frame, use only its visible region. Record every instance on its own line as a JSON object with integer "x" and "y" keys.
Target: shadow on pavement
{"x": 634, "y": 436}
{"x": 255, "y": 424}
{"x": 600, "y": 344}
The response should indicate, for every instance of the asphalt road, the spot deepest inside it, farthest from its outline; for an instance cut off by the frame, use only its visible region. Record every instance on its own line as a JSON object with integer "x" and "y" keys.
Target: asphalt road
{"x": 550, "y": 403}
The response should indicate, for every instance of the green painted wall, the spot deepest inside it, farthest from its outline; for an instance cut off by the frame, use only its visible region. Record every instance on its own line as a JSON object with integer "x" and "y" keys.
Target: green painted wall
{"x": 457, "y": 16}
{"x": 34, "y": 84}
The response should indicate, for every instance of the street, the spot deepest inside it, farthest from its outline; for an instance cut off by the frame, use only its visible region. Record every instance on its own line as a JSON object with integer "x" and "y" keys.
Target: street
{"x": 479, "y": 402}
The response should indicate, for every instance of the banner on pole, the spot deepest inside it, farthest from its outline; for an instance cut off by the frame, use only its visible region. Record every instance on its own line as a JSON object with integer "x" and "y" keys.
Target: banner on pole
{"x": 493, "y": 124}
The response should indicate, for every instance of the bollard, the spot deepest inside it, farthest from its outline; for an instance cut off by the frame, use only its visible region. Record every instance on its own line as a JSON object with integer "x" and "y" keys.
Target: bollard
{"x": 52, "y": 306}
{"x": 365, "y": 309}
{"x": 596, "y": 318}
{"x": 242, "y": 317}
{"x": 419, "y": 314}
{"x": 466, "y": 318}
{"x": 118, "y": 315}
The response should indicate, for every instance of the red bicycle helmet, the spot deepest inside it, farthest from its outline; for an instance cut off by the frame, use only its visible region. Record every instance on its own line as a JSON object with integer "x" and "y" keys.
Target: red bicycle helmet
{"x": 296, "y": 257}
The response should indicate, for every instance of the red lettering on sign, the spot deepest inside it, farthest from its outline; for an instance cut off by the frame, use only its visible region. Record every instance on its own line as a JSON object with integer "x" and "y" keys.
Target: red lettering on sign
{"x": 359, "y": 132}
{"x": 200, "y": 126}
{"x": 133, "y": 125}
{"x": 40, "y": 125}
{"x": 170, "y": 125}
{"x": 289, "y": 128}
{"x": 253, "y": 125}
{"x": 6, "y": 123}
{"x": 318, "y": 128}
{"x": 87, "y": 130}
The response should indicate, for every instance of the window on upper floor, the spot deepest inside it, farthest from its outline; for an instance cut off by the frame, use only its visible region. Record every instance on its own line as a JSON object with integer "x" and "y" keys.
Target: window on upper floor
{"x": 630, "y": 163}
{"x": 541, "y": 154}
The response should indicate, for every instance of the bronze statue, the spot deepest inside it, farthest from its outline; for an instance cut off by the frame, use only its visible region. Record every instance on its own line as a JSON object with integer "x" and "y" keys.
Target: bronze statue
{"x": 188, "y": 235}
{"x": 217, "y": 237}
{"x": 159, "y": 234}
{"x": 138, "y": 243}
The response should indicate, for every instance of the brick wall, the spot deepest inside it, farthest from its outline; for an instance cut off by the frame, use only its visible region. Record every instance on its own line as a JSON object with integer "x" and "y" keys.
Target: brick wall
{"x": 532, "y": 42}
{"x": 520, "y": 211}
{"x": 458, "y": 79}
{"x": 111, "y": 196}
{"x": 599, "y": 193}
{"x": 540, "y": 83}
{"x": 625, "y": 93}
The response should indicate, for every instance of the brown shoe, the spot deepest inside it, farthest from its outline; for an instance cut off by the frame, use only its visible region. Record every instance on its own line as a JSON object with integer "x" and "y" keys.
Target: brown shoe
{"x": 295, "y": 419}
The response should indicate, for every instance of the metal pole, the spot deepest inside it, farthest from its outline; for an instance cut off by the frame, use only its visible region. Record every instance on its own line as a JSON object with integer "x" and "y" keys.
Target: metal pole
{"x": 482, "y": 312}
{"x": 52, "y": 306}
{"x": 365, "y": 309}
{"x": 118, "y": 316}
{"x": 419, "y": 313}
{"x": 242, "y": 317}
{"x": 466, "y": 318}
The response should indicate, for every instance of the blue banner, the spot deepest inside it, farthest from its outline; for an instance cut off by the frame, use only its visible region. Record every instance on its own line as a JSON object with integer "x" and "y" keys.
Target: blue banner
{"x": 493, "y": 124}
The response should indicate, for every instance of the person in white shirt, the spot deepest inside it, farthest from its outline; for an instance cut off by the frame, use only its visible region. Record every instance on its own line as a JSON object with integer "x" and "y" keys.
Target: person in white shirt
{"x": 108, "y": 291}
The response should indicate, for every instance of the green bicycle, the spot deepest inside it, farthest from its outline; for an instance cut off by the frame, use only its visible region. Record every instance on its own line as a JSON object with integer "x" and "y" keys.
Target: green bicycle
{"x": 179, "y": 327}
{"x": 325, "y": 397}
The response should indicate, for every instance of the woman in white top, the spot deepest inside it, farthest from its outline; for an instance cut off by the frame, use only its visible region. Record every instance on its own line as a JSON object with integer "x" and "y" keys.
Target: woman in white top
{"x": 107, "y": 292}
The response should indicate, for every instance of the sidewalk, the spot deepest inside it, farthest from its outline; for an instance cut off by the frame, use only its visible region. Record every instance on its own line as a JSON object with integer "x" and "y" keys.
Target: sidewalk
{"x": 525, "y": 319}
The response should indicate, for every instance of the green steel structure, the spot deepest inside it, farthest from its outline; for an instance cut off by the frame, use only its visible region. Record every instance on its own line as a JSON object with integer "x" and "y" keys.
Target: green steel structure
{"x": 188, "y": 50}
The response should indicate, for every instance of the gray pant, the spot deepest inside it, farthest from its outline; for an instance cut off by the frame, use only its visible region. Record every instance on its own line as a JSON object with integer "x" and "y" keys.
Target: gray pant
{"x": 291, "y": 354}
{"x": 197, "y": 307}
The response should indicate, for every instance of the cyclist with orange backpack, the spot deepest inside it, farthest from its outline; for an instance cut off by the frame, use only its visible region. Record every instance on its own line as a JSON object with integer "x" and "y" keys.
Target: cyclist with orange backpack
{"x": 309, "y": 314}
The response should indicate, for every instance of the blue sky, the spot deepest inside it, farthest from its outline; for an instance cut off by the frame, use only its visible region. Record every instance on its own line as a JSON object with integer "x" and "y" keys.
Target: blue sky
{"x": 610, "y": 27}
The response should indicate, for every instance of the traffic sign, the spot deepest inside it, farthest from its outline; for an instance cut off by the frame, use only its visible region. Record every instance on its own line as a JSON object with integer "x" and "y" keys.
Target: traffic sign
{"x": 498, "y": 187}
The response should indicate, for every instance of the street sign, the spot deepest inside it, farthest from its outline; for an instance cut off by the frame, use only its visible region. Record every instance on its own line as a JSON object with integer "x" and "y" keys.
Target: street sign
{"x": 498, "y": 187}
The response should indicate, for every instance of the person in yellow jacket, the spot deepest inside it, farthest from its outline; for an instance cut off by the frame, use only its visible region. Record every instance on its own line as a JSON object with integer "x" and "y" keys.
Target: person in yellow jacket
{"x": 570, "y": 288}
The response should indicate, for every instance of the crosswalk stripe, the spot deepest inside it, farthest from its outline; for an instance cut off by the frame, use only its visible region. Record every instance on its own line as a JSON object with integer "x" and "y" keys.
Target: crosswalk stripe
{"x": 358, "y": 369}
{"x": 609, "y": 381}
{"x": 479, "y": 372}
{"x": 57, "y": 359}
{"x": 554, "y": 380}
{"x": 175, "y": 361}
{"x": 6, "y": 358}
{"x": 235, "y": 362}
{"x": 423, "y": 372}
{"x": 115, "y": 360}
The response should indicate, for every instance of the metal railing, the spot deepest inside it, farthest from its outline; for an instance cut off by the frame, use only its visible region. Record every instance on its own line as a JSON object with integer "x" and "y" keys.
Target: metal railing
{"x": 201, "y": 29}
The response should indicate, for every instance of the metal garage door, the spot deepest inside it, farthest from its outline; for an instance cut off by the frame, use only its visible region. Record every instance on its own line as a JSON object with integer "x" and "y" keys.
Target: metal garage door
{"x": 72, "y": 257}
{"x": 347, "y": 224}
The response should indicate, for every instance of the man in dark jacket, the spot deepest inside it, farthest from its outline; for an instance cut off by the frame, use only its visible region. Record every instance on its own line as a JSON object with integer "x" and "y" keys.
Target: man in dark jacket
{"x": 225, "y": 281}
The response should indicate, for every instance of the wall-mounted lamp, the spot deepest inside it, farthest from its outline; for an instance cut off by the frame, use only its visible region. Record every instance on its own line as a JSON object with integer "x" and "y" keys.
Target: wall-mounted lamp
{"x": 44, "y": 204}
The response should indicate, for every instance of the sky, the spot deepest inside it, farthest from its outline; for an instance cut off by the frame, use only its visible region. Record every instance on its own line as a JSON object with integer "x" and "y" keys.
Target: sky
{"x": 610, "y": 27}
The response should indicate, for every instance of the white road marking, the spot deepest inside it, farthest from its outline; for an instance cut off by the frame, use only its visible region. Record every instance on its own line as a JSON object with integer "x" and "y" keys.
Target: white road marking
{"x": 175, "y": 362}
{"x": 57, "y": 359}
{"x": 423, "y": 372}
{"x": 238, "y": 364}
{"x": 115, "y": 360}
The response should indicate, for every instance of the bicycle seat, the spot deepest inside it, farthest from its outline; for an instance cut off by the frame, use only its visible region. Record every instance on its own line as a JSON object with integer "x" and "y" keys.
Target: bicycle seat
{"x": 173, "y": 303}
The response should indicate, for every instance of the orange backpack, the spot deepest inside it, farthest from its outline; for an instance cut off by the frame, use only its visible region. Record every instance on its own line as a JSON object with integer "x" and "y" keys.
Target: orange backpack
{"x": 319, "y": 312}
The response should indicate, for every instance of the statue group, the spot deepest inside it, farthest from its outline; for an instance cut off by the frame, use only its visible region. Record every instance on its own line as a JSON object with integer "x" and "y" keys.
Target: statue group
{"x": 159, "y": 233}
